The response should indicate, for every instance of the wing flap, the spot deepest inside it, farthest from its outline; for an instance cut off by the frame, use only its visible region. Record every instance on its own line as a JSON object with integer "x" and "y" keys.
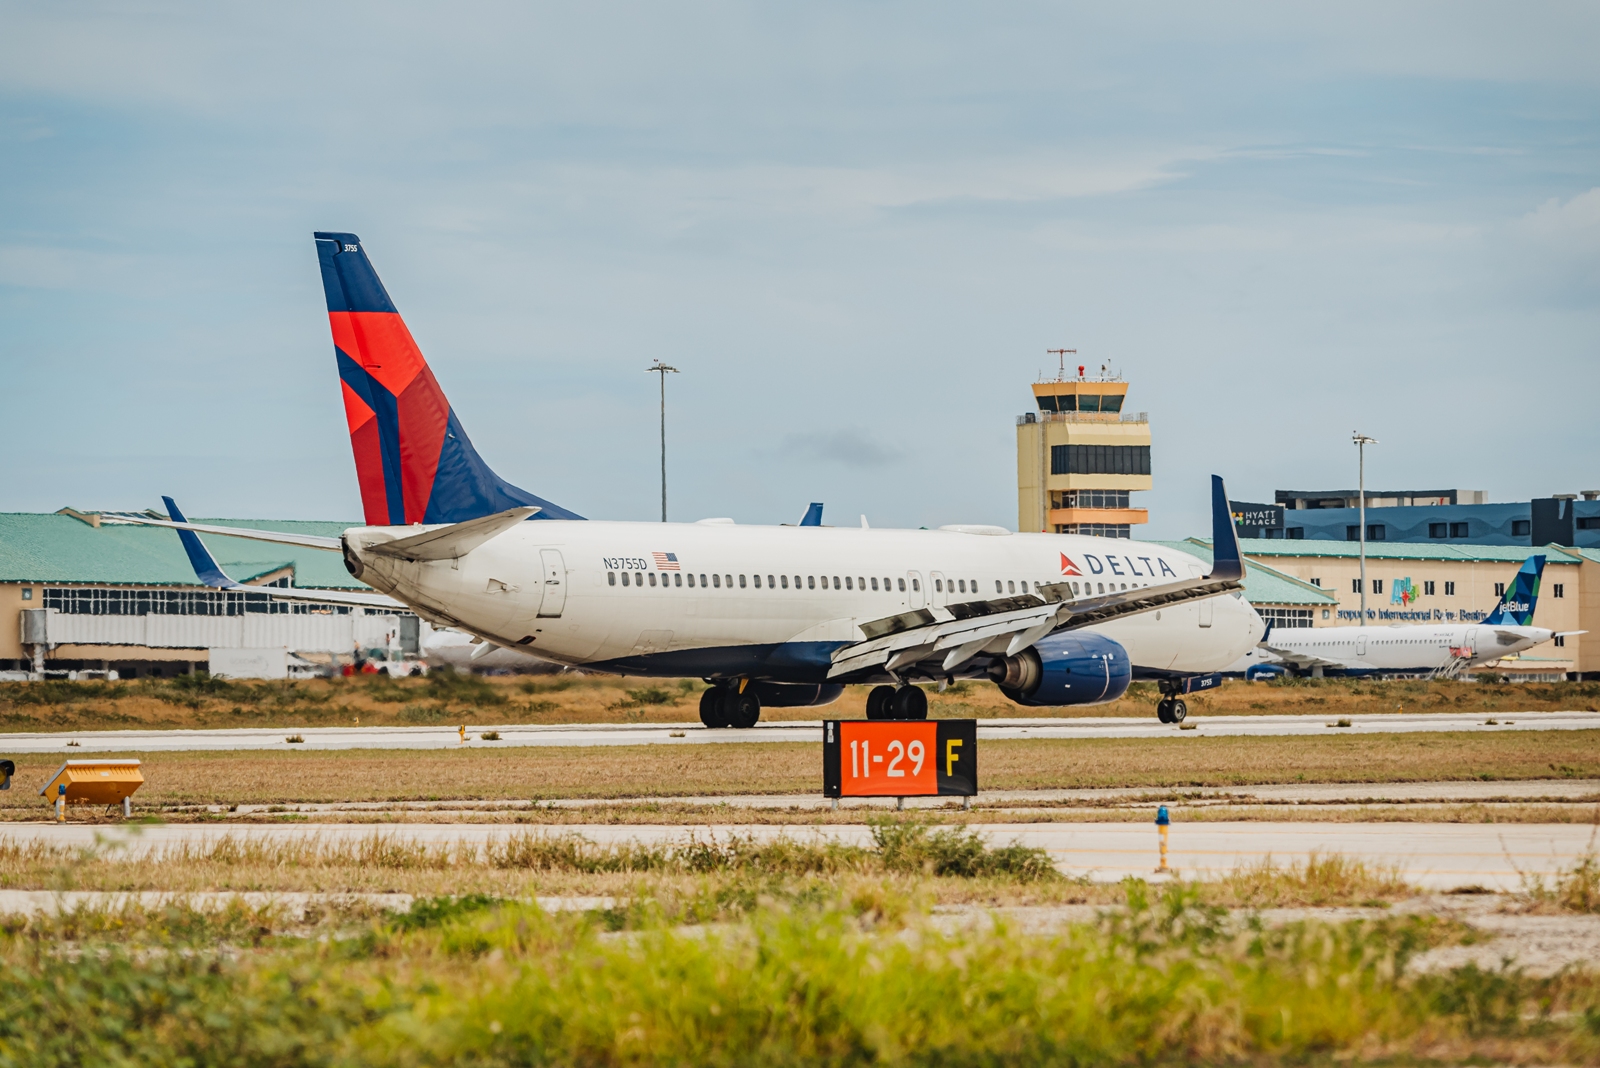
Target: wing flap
{"x": 956, "y": 633}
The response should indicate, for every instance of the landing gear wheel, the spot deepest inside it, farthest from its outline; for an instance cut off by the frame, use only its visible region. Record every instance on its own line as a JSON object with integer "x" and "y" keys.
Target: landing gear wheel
{"x": 743, "y": 709}
{"x": 1164, "y": 710}
{"x": 712, "y": 707}
{"x": 880, "y": 703}
{"x": 1179, "y": 710}
{"x": 910, "y": 702}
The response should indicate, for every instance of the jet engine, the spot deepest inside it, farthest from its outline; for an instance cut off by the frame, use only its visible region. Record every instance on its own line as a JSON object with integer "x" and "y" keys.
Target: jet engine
{"x": 1076, "y": 668}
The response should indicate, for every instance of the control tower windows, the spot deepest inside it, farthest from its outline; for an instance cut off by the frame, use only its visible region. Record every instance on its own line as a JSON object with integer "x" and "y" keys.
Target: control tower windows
{"x": 1099, "y": 459}
{"x": 1089, "y": 499}
{"x": 1097, "y": 530}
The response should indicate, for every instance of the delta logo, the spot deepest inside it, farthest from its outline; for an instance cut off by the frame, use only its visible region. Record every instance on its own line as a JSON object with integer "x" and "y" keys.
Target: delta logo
{"x": 1068, "y": 567}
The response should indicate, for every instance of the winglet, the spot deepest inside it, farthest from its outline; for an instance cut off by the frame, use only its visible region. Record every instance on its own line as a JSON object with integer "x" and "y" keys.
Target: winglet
{"x": 813, "y": 515}
{"x": 1227, "y": 563}
{"x": 205, "y": 565}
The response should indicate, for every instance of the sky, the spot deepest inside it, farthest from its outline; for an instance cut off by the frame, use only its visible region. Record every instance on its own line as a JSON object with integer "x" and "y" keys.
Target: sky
{"x": 855, "y": 228}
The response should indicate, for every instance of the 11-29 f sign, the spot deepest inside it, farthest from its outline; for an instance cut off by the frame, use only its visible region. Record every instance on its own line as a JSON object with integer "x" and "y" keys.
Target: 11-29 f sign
{"x": 919, "y": 758}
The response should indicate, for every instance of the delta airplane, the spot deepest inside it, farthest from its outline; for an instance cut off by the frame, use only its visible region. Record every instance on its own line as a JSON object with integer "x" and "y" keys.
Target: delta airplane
{"x": 1412, "y": 648}
{"x": 776, "y": 616}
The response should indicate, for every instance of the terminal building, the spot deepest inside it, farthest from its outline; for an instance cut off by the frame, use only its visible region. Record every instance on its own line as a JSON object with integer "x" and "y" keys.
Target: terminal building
{"x": 1081, "y": 457}
{"x": 81, "y": 592}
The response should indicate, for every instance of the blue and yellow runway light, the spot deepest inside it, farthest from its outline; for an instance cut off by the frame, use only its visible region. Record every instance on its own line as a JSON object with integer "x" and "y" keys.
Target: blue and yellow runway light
{"x": 1163, "y": 821}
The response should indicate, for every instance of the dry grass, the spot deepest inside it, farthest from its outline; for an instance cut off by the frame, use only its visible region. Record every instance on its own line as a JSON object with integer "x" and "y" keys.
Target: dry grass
{"x": 913, "y": 860}
{"x": 231, "y": 778}
{"x": 1324, "y": 879}
{"x": 445, "y": 697}
{"x": 918, "y": 862}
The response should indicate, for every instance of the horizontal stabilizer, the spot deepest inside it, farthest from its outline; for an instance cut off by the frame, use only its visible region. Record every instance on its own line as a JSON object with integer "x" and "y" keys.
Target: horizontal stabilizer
{"x": 305, "y": 541}
{"x": 454, "y": 541}
{"x": 208, "y": 571}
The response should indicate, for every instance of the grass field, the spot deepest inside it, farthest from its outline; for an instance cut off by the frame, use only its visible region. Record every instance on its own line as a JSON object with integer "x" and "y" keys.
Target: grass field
{"x": 481, "y": 773}
{"x": 794, "y": 971}
{"x": 446, "y": 697}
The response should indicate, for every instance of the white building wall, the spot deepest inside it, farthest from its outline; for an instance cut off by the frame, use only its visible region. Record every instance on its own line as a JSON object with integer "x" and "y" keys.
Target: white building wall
{"x": 298, "y": 633}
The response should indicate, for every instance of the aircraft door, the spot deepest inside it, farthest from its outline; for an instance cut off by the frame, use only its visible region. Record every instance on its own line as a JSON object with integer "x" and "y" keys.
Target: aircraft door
{"x": 555, "y": 584}
{"x": 941, "y": 589}
{"x": 1208, "y": 608}
{"x": 1470, "y": 642}
{"x": 1361, "y": 645}
{"x": 915, "y": 597}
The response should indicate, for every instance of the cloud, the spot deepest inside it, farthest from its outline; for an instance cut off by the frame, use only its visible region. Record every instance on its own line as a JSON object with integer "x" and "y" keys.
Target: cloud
{"x": 1577, "y": 218}
{"x": 849, "y": 447}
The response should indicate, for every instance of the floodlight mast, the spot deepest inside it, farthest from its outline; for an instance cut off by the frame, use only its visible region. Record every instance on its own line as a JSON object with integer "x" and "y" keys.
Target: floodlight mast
{"x": 1361, "y": 441}
{"x": 663, "y": 370}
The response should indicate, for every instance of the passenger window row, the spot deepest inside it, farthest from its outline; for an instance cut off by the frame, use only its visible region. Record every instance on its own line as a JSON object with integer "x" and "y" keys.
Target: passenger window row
{"x": 834, "y": 582}
{"x": 773, "y": 582}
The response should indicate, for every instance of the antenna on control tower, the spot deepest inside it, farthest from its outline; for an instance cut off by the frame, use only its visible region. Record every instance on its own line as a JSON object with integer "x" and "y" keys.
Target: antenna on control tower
{"x": 1061, "y": 355}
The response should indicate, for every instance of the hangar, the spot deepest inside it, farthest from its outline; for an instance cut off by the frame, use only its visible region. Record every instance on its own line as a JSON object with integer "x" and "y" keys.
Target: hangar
{"x": 82, "y": 592}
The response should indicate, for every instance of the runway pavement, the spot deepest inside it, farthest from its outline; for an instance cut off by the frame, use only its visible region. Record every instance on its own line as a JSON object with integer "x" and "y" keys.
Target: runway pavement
{"x": 1438, "y": 856}
{"x": 588, "y": 734}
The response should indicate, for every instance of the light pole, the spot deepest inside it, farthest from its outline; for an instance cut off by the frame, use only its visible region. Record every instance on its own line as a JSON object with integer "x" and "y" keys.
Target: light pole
{"x": 1361, "y": 442}
{"x": 663, "y": 370}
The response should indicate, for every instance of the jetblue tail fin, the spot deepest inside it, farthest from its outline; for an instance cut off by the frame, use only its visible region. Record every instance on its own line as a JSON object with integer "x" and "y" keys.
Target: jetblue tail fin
{"x": 1516, "y": 607}
{"x": 414, "y": 461}
{"x": 813, "y": 516}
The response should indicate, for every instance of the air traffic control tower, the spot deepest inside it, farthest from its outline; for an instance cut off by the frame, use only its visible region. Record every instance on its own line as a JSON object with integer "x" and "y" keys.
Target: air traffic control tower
{"x": 1080, "y": 457}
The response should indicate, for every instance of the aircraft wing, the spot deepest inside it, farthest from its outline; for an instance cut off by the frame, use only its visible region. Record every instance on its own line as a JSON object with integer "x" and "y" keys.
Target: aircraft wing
{"x": 1301, "y": 658}
{"x": 949, "y": 637}
{"x": 208, "y": 571}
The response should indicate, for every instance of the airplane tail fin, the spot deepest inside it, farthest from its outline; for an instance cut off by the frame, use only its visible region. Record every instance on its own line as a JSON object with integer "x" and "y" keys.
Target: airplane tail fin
{"x": 1516, "y": 606}
{"x": 813, "y": 516}
{"x": 414, "y": 461}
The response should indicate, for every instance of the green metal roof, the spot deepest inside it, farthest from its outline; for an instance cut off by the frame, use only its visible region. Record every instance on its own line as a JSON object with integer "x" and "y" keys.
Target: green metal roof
{"x": 1403, "y": 550}
{"x": 38, "y": 547}
{"x": 1262, "y": 584}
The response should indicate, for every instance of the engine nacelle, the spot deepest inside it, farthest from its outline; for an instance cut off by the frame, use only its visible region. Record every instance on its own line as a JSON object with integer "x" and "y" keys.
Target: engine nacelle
{"x": 1075, "y": 668}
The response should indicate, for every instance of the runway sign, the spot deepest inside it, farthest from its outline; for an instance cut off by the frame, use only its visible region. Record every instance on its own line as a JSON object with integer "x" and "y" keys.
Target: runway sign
{"x": 904, "y": 758}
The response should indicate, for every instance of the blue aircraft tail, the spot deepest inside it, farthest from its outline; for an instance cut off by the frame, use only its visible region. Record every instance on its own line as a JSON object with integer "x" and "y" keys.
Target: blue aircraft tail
{"x": 813, "y": 516}
{"x": 414, "y": 461}
{"x": 1516, "y": 607}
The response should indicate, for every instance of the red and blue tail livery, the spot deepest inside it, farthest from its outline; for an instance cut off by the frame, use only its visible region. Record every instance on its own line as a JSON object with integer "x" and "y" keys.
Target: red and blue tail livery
{"x": 414, "y": 461}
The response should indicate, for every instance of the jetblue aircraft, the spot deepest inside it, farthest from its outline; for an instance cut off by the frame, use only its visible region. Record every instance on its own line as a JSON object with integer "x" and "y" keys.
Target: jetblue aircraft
{"x": 775, "y": 616}
{"x": 1416, "y": 648}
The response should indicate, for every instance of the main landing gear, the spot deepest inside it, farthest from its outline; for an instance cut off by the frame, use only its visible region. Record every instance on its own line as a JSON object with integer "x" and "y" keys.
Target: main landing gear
{"x": 723, "y": 705}
{"x": 904, "y": 702}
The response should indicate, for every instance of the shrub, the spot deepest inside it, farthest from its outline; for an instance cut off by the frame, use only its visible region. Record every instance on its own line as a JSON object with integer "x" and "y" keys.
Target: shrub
{"x": 434, "y": 713}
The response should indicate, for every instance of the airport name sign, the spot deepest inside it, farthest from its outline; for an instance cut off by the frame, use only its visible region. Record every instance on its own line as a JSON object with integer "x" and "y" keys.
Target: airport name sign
{"x": 899, "y": 758}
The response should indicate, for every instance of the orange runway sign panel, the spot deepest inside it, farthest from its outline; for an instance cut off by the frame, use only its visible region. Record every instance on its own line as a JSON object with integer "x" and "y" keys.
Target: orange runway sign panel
{"x": 887, "y": 758}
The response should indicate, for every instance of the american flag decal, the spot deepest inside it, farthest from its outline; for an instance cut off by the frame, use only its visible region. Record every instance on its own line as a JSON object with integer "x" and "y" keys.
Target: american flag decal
{"x": 666, "y": 561}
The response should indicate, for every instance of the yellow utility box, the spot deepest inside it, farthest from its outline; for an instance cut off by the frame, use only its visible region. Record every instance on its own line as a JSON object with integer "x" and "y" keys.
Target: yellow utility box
{"x": 94, "y": 782}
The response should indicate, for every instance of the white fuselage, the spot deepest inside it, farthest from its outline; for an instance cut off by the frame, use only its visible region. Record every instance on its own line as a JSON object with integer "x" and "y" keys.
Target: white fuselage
{"x": 1402, "y": 647}
{"x": 718, "y": 599}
